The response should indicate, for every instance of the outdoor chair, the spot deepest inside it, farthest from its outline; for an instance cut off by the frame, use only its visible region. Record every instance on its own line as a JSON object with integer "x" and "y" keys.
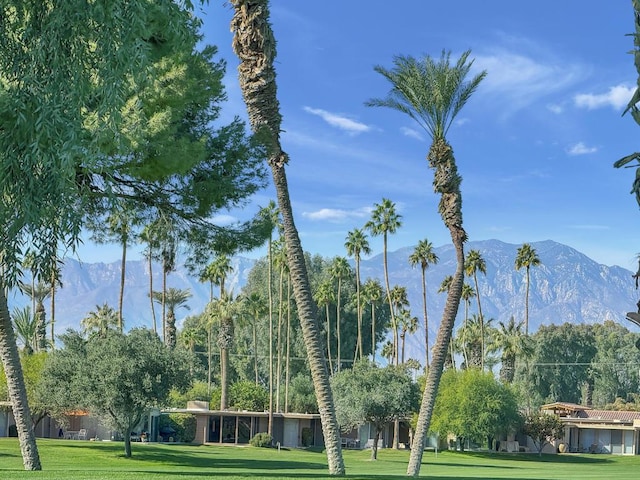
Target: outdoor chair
{"x": 82, "y": 434}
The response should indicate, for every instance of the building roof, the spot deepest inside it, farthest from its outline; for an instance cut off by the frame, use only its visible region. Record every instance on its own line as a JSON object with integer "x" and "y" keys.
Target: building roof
{"x": 609, "y": 415}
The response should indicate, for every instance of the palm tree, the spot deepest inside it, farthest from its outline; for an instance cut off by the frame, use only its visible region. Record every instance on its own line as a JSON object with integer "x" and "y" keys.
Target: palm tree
{"x": 324, "y": 297}
{"x": 372, "y": 292}
{"x": 279, "y": 256}
{"x": 271, "y": 214}
{"x": 100, "y": 320}
{"x": 473, "y": 264}
{"x": 424, "y": 256}
{"x": 26, "y": 327}
{"x": 224, "y": 311}
{"x": 173, "y": 299}
{"x": 512, "y": 343}
{"x": 148, "y": 235}
{"x": 38, "y": 294}
{"x": 399, "y": 302}
{"x": 408, "y": 324}
{"x": 54, "y": 284}
{"x": 467, "y": 294}
{"x": 255, "y": 46}
{"x": 526, "y": 257}
{"x": 433, "y": 93}
{"x": 256, "y": 307}
{"x": 339, "y": 270}
{"x": 357, "y": 245}
{"x": 218, "y": 271}
{"x": 385, "y": 221}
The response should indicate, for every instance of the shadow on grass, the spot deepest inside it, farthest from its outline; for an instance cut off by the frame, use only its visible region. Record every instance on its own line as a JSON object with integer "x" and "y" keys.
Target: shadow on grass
{"x": 545, "y": 458}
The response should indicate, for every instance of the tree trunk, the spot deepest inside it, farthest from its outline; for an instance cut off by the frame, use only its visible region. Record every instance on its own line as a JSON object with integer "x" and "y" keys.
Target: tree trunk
{"x": 171, "y": 329}
{"x": 426, "y": 320}
{"x": 270, "y": 286}
{"x": 42, "y": 326}
{"x": 359, "y": 311}
{"x": 255, "y": 46}
{"x": 255, "y": 349}
{"x": 446, "y": 182}
{"x": 16, "y": 387}
{"x": 53, "y": 307}
{"x": 127, "y": 443}
{"x": 279, "y": 341}
{"x": 373, "y": 332}
{"x": 374, "y": 447}
{"x": 338, "y": 325}
{"x": 288, "y": 349}
{"x": 123, "y": 266}
{"x": 526, "y": 306}
{"x": 329, "y": 339}
{"x": 225, "y": 340}
{"x": 153, "y": 308}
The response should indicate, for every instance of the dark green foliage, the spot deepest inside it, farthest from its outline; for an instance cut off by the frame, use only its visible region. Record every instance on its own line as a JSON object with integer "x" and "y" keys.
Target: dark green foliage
{"x": 185, "y": 426}
{"x": 261, "y": 439}
{"x": 302, "y": 395}
{"x": 306, "y": 437}
{"x": 246, "y": 395}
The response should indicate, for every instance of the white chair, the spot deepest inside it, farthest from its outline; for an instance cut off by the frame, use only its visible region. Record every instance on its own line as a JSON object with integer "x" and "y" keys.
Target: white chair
{"x": 82, "y": 434}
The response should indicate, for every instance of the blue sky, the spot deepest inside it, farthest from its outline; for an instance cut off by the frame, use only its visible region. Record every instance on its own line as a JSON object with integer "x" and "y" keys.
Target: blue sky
{"x": 535, "y": 144}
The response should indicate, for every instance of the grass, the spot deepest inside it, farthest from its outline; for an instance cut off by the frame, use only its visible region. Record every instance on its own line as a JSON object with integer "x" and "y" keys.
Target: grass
{"x": 78, "y": 460}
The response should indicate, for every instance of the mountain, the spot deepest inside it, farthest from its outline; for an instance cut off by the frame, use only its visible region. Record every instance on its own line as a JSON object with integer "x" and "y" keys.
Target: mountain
{"x": 567, "y": 287}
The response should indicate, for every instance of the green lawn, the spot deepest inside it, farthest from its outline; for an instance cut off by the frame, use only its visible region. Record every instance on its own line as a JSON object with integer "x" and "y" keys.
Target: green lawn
{"x": 78, "y": 460}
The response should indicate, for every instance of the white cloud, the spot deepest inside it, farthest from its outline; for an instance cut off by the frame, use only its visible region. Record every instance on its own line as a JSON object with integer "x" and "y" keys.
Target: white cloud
{"x": 617, "y": 97}
{"x": 410, "y": 132}
{"x": 339, "y": 121}
{"x": 555, "y": 108}
{"x": 336, "y": 215}
{"x": 519, "y": 80}
{"x": 581, "y": 149}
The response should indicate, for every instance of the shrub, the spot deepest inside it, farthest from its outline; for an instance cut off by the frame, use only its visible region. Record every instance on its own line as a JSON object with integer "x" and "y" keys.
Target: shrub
{"x": 262, "y": 439}
{"x": 184, "y": 425}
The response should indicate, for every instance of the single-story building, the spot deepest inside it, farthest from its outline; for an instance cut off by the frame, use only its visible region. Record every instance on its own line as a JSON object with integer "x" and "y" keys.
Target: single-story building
{"x": 589, "y": 430}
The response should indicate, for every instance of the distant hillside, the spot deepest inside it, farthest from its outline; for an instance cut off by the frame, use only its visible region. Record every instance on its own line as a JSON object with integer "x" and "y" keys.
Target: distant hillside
{"x": 567, "y": 287}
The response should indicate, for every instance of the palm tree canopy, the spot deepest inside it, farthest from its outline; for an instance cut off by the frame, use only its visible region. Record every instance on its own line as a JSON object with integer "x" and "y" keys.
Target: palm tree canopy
{"x": 468, "y": 292}
{"x": 174, "y": 298}
{"x": 357, "y": 243}
{"x": 526, "y": 257}
{"x": 372, "y": 290}
{"x": 100, "y": 320}
{"x": 340, "y": 268}
{"x": 475, "y": 263}
{"x": 431, "y": 92}
{"x": 423, "y": 255}
{"x": 446, "y": 283}
{"x": 38, "y": 293}
{"x": 384, "y": 218}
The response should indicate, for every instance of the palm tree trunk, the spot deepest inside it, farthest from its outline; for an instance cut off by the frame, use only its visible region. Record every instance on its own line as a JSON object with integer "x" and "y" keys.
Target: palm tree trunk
{"x": 279, "y": 341}
{"x": 338, "y": 324}
{"x": 255, "y": 349}
{"x": 386, "y": 284}
{"x": 446, "y": 182}
{"x": 16, "y": 387}
{"x": 426, "y": 321}
{"x": 53, "y": 307}
{"x": 373, "y": 332}
{"x": 359, "y": 311}
{"x": 526, "y": 306}
{"x": 475, "y": 280}
{"x": 288, "y": 349}
{"x": 123, "y": 266}
{"x": 270, "y": 286}
{"x": 255, "y": 46}
{"x": 164, "y": 303}
{"x": 329, "y": 338}
{"x": 153, "y": 308}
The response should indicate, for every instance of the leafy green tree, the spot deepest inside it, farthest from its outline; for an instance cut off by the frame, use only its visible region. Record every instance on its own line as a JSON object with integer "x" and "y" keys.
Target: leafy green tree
{"x": 303, "y": 398}
{"x": 116, "y": 377}
{"x": 433, "y": 93}
{"x": 369, "y": 394}
{"x": 473, "y": 405}
{"x": 424, "y": 256}
{"x": 561, "y": 363}
{"x": 543, "y": 428}
{"x": 474, "y": 263}
{"x": 526, "y": 257}
{"x": 32, "y": 366}
{"x": 248, "y": 396}
{"x": 357, "y": 245}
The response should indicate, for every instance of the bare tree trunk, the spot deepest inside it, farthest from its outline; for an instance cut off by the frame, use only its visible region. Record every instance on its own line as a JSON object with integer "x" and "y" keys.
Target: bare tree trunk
{"x": 16, "y": 387}
{"x": 255, "y": 45}
{"x": 123, "y": 266}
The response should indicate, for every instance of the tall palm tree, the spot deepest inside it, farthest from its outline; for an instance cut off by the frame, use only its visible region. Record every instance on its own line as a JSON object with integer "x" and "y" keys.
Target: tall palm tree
{"x": 339, "y": 270}
{"x": 385, "y": 221}
{"x": 280, "y": 262}
{"x": 512, "y": 343}
{"x": 526, "y": 257}
{"x": 256, "y": 307}
{"x": 100, "y": 320}
{"x": 254, "y": 44}
{"x": 38, "y": 294}
{"x": 408, "y": 324}
{"x": 324, "y": 297}
{"x": 424, "y": 256}
{"x": 357, "y": 245}
{"x": 173, "y": 298}
{"x": 271, "y": 214}
{"x": 224, "y": 311}
{"x": 218, "y": 271}
{"x": 55, "y": 282}
{"x": 475, "y": 263}
{"x": 399, "y": 303}
{"x": 148, "y": 235}
{"x": 467, "y": 294}
{"x": 372, "y": 292}
{"x": 433, "y": 93}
